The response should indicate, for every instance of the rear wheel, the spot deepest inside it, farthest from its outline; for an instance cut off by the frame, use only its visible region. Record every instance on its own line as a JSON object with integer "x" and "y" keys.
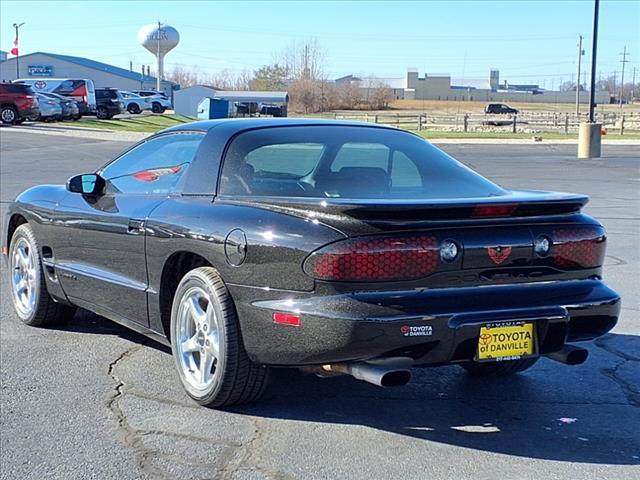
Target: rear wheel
{"x": 8, "y": 115}
{"x": 207, "y": 346}
{"x": 31, "y": 300}
{"x": 103, "y": 113}
{"x": 499, "y": 369}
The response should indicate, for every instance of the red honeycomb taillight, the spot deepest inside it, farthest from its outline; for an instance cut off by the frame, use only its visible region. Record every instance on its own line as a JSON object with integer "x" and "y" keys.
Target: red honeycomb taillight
{"x": 578, "y": 247}
{"x": 375, "y": 259}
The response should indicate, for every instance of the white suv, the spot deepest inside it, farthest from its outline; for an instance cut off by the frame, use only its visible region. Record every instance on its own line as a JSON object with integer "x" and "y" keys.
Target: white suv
{"x": 135, "y": 103}
{"x": 159, "y": 101}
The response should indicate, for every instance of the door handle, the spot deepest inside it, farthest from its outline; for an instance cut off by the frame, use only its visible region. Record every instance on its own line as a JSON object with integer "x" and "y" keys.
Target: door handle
{"x": 135, "y": 226}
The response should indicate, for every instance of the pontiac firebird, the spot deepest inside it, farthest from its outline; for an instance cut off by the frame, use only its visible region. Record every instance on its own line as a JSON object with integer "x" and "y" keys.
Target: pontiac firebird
{"x": 337, "y": 247}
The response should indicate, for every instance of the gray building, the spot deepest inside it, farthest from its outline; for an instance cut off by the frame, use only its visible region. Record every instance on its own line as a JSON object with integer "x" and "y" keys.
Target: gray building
{"x": 441, "y": 87}
{"x": 53, "y": 65}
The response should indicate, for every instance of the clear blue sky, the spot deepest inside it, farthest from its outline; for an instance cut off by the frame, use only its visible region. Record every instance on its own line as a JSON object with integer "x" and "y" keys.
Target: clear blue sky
{"x": 529, "y": 41}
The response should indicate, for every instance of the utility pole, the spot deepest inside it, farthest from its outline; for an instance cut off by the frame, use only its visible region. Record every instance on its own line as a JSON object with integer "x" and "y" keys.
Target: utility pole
{"x": 306, "y": 62}
{"x": 17, "y": 47}
{"x": 623, "y": 61}
{"x": 580, "y": 53}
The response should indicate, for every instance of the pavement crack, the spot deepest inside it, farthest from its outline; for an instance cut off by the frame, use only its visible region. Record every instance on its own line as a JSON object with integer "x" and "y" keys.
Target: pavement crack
{"x": 628, "y": 388}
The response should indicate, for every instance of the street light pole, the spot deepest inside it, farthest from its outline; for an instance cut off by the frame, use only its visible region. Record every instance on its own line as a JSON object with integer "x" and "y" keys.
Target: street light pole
{"x": 17, "y": 27}
{"x": 594, "y": 48}
{"x": 590, "y": 133}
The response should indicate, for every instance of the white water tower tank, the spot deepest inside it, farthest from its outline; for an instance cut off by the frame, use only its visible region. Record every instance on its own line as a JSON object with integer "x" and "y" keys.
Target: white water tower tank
{"x": 159, "y": 39}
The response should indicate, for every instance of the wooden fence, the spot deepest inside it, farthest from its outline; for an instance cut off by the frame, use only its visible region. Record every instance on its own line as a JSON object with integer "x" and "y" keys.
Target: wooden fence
{"x": 528, "y": 122}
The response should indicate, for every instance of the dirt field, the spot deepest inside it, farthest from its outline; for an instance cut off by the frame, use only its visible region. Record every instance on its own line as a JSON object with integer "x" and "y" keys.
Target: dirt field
{"x": 443, "y": 106}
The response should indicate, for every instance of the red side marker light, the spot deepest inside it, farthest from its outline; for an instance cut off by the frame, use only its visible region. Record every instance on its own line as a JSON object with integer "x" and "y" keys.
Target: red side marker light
{"x": 497, "y": 210}
{"x": 286, "y": 319}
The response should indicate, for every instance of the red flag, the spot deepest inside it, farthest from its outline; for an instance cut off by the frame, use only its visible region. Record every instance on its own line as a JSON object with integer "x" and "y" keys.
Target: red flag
{"x": 14, "y": 50}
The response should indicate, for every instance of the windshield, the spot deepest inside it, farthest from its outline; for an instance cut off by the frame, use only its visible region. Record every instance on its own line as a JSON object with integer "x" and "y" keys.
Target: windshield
{"x": 345, "y": 162}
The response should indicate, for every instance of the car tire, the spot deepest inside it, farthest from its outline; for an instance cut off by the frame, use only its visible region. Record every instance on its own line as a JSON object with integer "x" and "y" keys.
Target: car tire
{"x": 156, "y": 107}
{"x": 102, "y": 113}
{"x": 8, "y": 115}
{"x": 133, "y": 108}
{"x": 499, "y": 369}
{"x": 31, "y": 300}
{"x": 207, "y": 346}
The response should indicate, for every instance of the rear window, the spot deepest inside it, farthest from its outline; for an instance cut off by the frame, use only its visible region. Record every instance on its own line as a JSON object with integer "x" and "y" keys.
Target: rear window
{"x": 344, "y": 162}
{"x": 17, "y": 88}
{"x": 107, "y": 94}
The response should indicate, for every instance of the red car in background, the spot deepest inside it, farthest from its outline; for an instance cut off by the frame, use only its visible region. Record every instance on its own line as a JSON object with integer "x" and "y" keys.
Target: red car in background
{"x": 17, "y": 103}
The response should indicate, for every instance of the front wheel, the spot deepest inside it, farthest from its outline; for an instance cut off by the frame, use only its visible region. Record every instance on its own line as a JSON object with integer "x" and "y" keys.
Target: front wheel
{"x": 31, "y": 300}
{"x": 133, "y": 108}
{"x": 207, "y": 346}
{"x": 499, "y": 369}
{"x": 156, "y": 107}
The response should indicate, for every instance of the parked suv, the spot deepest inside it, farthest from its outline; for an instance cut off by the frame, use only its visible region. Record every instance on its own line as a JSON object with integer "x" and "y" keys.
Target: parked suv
{"x": 159, "y": 101}
{"x": 500, "y": 108}
{"x": 109, "y": 103}
{"x": 17, "y": 103}
{"x": 134, "y": 103}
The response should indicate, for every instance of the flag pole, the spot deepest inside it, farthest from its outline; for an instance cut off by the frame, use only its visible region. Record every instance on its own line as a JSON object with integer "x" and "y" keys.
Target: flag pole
{"x": 17, "y": 48}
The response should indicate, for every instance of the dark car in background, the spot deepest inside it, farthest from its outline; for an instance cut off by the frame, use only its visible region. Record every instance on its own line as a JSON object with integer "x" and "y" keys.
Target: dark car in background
{"x": 70, "y": 109}
{"x": 109, "y": 102}
{"x": 344, "y": 248}
{"x": 500, "y": 109}
{"x": 17, "y": 103}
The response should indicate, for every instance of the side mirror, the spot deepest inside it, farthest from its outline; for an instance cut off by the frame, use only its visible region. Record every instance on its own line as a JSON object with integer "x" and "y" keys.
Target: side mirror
{"x": 90, "y": 184}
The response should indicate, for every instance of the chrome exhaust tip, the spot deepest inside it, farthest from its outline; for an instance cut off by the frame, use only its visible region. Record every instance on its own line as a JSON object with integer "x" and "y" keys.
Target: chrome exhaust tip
{"x": 376, "y": 373}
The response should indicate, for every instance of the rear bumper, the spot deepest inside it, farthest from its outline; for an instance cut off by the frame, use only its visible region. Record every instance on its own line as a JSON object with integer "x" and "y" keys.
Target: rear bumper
{"x": 29, "y": 112}
{"x": 446, "y": 322}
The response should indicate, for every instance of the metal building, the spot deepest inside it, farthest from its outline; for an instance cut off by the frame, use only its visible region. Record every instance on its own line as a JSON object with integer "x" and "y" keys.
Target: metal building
{"x": 53, "y": 65}
{"x": 186, "y": 100}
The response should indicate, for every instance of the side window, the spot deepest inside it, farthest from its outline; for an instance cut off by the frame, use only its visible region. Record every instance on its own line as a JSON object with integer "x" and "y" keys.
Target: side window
{"x": 153, "y": 167}
{"x": 404, "y": 175}
{"x": 356, "y": 155}
{"x": 285, "y": 159}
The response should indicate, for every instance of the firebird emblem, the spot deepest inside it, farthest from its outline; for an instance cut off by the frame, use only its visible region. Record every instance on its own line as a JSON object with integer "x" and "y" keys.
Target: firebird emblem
{"x": 499, "y": 254}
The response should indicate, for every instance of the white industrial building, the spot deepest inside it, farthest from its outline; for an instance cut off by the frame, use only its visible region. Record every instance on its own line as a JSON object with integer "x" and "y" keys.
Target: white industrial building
{"x": 186, "y": 100}
{"x": 440, "y": 87}
{"x": 42, "y": 65}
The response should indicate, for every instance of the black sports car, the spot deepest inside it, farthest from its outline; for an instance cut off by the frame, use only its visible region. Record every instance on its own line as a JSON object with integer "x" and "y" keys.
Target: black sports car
{"x": 339, "y": 247}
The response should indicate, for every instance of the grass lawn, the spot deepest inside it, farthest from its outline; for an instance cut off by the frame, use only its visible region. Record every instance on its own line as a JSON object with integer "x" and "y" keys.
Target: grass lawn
{"x": 143, "y": 123}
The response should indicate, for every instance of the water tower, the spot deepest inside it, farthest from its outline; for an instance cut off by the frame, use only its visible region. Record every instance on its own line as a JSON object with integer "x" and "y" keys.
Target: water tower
{"x": 159, "y": 39}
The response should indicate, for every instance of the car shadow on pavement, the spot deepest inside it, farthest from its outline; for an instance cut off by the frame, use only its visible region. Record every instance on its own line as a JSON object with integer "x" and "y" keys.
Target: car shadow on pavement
{"x": 585, "y": 414}
{"x": 90, "y": 323}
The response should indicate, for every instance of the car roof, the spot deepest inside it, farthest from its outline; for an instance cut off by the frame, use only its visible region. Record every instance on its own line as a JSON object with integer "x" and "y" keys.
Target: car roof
{"x": 236, "y": 125}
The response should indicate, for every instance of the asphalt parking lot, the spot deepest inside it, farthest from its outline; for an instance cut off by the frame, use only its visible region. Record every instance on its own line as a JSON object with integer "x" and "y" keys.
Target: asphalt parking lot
{"x": 93, "y": 400}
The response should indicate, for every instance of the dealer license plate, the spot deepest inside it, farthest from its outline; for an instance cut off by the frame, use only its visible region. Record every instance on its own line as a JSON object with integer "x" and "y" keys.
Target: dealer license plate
{"x": 506, "y": 341}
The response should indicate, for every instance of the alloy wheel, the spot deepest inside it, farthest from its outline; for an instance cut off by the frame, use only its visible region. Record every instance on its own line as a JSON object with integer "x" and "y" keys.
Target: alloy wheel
{"x": 8, "y": 115}
{"x": 198, "y": 341}
{"x": 24, "y": 277}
